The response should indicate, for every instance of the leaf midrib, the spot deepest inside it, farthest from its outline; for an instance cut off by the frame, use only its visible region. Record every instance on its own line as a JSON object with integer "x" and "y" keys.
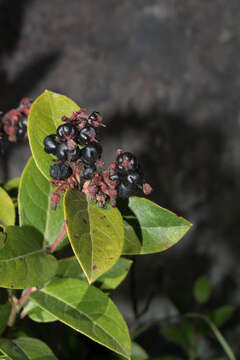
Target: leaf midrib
{"x": 83, "y": 314}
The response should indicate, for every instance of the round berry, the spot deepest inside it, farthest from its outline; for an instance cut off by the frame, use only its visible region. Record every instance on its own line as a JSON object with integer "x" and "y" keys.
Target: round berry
{"x": 62, "y": 151}
{"x": 89, "y": 172}
{"x": 23, "y": 122}
{"x": 86, "y": 134}
{"x": 115, "y": 177}
{"x": 134, "y": 177}
{"x": 60, "y": 171}
{"x": 91, "y": 153}
{"x": 50, "y": 144}
{"x": 95, "y": 118}
{"x": 126, "y": 161}
{"x": 67, "y": 131}
{"x": 126, "y": 189}
{"x": 74, "y": 155}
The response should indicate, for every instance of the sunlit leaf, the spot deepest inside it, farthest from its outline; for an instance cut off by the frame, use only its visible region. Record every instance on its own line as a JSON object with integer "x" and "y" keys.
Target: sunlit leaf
{"x": 45, "y": 116}
{"x": 151, "y": 228}
{"x": 22, "y": 262}
{"x": 7, "y": 210}
{"x": 96, "y": 235}
{"x": 35, "y": 204}
{"x": 87, "y": 310}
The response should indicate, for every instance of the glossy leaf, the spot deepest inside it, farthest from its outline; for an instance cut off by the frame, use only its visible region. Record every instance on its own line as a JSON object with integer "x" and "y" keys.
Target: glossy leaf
{"x": 22, "y": 262}
{"x": 202, "y": 289}
{"x": 26, "y": 348}
{"x": 35, "y": 204}
{"x": 151, "y": 228}
{"x": 39, "y": 315}
{"x": 87, "y": 310}
{"x": 7, "y": 210}
{"x": 96, "y": 235}
{"x": 45, "y": 116}
{"x": 5, "y": 310}
{"x": 69, "y": 267}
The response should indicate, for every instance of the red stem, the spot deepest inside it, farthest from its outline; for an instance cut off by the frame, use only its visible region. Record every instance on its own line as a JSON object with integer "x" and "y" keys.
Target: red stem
{"x": 58, "y": 238}
{"x": 25, "y": 295}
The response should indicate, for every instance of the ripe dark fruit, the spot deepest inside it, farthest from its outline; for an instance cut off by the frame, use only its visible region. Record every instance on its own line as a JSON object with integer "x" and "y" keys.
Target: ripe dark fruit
{"x": 67, "y": 131}
{"x": 60, "y": 171}
{"x": 134, "y": 177}
{"x": 91, "y": 153}
{"x": 86, "y": 134}
{"x": 62, "y": 151}
{"x": 126, "y": 189}
{"x": 95, "y": 119}
{"x": 50, "y": 144}
{"x": 126, "y": 161}
{"x": 89, "y": 172}
{"x": 115, "y": 177}
{"x": 74, "y": 155}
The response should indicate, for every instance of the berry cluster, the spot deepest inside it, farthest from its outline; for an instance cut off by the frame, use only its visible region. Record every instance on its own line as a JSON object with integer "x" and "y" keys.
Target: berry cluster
{"x": 79, "y": 163}
{"x": 13, "y": 125}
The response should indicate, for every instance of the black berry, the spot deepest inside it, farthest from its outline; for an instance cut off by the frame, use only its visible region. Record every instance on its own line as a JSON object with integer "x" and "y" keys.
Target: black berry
{"x": 95, "y": 119}
{"x": 60, "y": 171}
{"x": 50, "y": 144}
{"x": 67, "y": 131}
{"x": 126, "y": 161}
{"x": 91, "y": 153}
{"x": 74, "y": 155}
{"x": 89, "y": 172}
{"x": 134, "y": 177}
{"x": 126, "y": 189}
{"x": 62, "y": 151}
{"x": 115, "y": 177}
{"x": 86, "y": 134}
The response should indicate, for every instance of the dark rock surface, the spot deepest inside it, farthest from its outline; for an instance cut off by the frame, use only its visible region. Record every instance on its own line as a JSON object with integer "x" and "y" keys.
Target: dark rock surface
{"x": 166, "y": 76}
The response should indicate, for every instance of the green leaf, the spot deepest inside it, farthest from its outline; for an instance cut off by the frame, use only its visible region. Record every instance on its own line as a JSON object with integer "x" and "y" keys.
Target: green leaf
{"x": 26, "y": 348}
{"x": 22, "y": 261}
{"x": 69, "y": 267}
{"x": 12, "y": 185}
{"x": 39, "y": 315}
{"x": 202, "y": 289}
{"x": 35, "y": 204}
{"x": 96, "y": 235}
{"x": 222, "y": 314}
{"x": 87, "y": 310}
{"x": 12, "y": 189}
{"x": 113, "y": 277}
{"x": 7, "y": 210}
{"x": 151, "y": 228}
{"x": 2, "y": 239}
{"x": 45, "y": 116}
{"x": 5, "y": 310}
{"x": 137, "y": 353}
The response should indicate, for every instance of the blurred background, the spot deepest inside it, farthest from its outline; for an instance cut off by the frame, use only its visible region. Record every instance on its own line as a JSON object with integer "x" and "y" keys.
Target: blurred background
{"x": 165, "y": 74}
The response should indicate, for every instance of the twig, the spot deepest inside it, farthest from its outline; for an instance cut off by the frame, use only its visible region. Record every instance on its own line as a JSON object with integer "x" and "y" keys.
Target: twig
{"x": 59, "y": 238}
